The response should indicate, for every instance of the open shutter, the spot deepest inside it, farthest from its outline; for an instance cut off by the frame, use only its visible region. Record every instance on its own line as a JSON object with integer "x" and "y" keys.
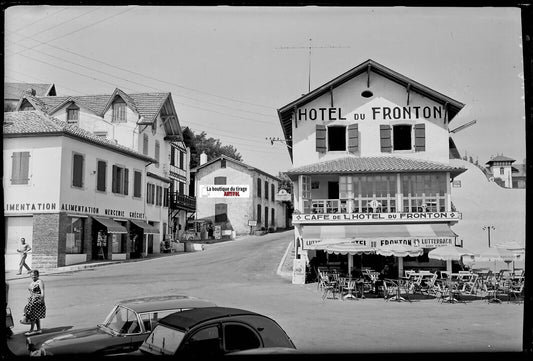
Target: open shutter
{"x": 353, "y": 138}
{"x": 420, "y": 137}
{"x": 126, "y": 181}
{"x": 385, "y": 135}
{"x": 20, "y": 168}
{"x": 320, "y": 138}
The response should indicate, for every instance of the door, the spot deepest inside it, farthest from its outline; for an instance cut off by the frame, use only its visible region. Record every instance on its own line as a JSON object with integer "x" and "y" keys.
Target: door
{"x": 15, "y": 229}
{"x": 333, "y": 190}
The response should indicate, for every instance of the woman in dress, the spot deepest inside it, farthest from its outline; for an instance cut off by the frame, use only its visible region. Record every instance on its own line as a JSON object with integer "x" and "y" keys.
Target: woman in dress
{"x": 36, "y": 308}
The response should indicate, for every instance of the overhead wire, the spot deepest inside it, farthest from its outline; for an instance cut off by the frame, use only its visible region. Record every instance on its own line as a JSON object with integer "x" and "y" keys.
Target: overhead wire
{"x": 41, "y": 19}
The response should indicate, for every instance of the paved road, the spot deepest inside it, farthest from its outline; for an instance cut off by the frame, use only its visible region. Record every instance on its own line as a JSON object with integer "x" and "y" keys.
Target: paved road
{"x": 242, "y": 273}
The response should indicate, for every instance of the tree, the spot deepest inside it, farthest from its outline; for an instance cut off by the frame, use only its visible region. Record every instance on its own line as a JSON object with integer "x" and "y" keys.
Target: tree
{"x": 212, "y": 147}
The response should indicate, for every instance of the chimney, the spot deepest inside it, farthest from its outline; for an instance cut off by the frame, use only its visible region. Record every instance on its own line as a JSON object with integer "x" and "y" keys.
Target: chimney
{"x": 203, "y": 158}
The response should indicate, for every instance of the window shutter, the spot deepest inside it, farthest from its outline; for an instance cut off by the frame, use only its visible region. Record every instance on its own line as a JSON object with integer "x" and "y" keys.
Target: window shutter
{"x": 77, "y": 171}
{"x": 320, "y": 138}
{"x": 420, "y": 137}
{"x": 101, "y": 176}
{"x": 385, "y": 135}
{"x": 353, "y": 138}
{"x": 137, "y": 184}
{"x": 145, "y": 144}
{"x": 126, "y": 181}
{"x": 114, "y": 179}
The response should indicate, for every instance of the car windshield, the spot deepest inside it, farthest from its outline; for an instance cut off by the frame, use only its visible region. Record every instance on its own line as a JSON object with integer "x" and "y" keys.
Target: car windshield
{"x": 122, "y": 320}
{"x": 163, "y": 341}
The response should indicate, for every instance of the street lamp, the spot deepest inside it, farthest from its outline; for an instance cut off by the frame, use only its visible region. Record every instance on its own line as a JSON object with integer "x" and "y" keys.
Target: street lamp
{"x": 488, "y": 229}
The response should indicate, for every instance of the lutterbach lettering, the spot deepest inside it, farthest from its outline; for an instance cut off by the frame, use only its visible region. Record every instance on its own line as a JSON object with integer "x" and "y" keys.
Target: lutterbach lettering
{"x": 406, "y": 112}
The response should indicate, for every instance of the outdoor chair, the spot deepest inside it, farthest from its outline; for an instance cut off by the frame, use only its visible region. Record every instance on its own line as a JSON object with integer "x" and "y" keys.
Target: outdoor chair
{"x": 516, "y": 290}
{"x": 330, "y": 288}
{"x": 427, "y": 284}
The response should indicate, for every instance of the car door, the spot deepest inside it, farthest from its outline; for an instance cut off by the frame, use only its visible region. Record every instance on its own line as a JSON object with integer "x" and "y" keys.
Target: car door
{"x": 238, "y": 336}
{"x": 204, "y": 342}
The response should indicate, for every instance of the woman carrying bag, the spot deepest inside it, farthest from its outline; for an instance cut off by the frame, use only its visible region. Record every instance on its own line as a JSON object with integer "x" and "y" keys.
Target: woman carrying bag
{"x": 36, "y": 308}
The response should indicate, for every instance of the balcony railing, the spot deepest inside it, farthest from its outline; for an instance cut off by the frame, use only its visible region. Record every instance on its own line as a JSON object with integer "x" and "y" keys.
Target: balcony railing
{"x": 181, "y": 201}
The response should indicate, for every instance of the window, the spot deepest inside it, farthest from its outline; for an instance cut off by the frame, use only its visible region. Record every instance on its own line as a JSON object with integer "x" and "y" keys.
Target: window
{"x": 222, "y": 163}
{"x": 157, "y": 153}
{"x": 165, "y": 198}
{"x": 401, "y": 137}
{"x": 73, "y": 113}
{"x": 273, "y": 217}
{"x": 137, "y": 183}
{"x": 145, "y": 144}
{"x": 258, "y": 213}
{"x": 259, "y": 187}
{"x": 120, "y": 181}
{"x": 240, "y": 337}
{"x": 101, "y": 169}
{"x": 100, "y": 133}
{"x": 119, "y": 111}
{"x": 158, "y": 196}
{"x": 502, "y": 170}
{"x": 181, "y": 188}
{"x": 74, "y": 241}
{"x": 20, "y": 168}
{"x": 172, "y": 155}
{"x": 150, "y": 193}
{"x": 221, "y": 212}
{"x": 272, "y": 192}
{"x": 336, "y": 138}
{"x": 266, "y": 217}
{"x": 182, "y": 160}
{"x": 205, "y": 343}
{"x": 220, "y": 180}
{"x": 77, "y": 170}
{"x": 266, "y": 190}
{"x": 424, "y": 192}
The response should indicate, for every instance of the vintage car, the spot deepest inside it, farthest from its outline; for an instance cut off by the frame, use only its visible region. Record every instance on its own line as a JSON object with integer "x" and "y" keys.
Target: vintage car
{"x": 123, "y": 330}
{"x": 215, "y": 331}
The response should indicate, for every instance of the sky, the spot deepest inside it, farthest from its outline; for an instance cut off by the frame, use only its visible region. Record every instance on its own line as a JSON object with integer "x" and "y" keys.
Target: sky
{"x": 230, "y": 68}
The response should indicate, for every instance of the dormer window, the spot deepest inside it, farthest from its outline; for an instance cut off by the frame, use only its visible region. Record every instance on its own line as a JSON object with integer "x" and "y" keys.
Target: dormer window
{"x": 73, "y": 114}
{"x": 336, "y": 138}
{"x": 119, "y": 111}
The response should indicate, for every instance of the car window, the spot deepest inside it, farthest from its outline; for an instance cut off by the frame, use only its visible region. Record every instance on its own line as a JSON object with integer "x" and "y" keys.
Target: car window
{"x": 203, "y": 343}
{"x": 240, "y": 337}
{"x": 123, "y": 320}
{"x": 163, "y": 340}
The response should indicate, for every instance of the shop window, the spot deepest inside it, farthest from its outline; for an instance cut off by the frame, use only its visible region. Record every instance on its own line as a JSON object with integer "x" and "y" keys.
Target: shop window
{"x": 336, "y": 138}
{"x": 77, "y": 170}
{"x": 266, "y": 190}
{"x": 75, "y": 231}
{"x": 221, "y": 212}
{"x": 259, "y": 187}
{"x": 20, "y": 168}
{"x": 220, "y": 180}
{"x": 101, "y": 170}
{"x": 145, "y": 144}
{"x": 119, "y": 111}
{"x": 157, "y": 148}
{"x": 73, "y": 113}
{"x": 401, "y": 137}
{"x": 137, "y": 183}
{"x": 120, "y": 180}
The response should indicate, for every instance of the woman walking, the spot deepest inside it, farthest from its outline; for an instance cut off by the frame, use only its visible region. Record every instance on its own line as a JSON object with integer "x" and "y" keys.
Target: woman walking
{"x": 36, "y": 308}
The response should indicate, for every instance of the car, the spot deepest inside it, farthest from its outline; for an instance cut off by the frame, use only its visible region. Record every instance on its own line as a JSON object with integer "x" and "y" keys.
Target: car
{"x": 123, "y": 330}
{"x": 213, "y": 332}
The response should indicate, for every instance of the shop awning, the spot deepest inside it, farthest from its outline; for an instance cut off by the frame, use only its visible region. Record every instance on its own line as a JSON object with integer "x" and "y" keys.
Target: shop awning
{"x": 419, "y": 235}
{"x": 147, "y": 228}
{"x": 111, "y": 225}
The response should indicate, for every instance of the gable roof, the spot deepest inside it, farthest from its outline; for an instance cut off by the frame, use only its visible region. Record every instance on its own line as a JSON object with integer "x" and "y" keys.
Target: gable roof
{"x": 146, "y": 105}
{"x": 35, "y": 124}
{"x": 241, "y": 164}
{"x": 15, "y": 90}
{"x": 285, "y": 113}
{"x": 350, "y": 165}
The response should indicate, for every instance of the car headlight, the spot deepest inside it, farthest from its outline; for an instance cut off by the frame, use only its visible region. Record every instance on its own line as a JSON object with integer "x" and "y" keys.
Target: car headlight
{"x": 41, "y": 351}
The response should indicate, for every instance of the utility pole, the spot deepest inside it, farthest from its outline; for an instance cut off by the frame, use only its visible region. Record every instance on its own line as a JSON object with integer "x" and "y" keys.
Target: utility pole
{"x": 310, "y": 47}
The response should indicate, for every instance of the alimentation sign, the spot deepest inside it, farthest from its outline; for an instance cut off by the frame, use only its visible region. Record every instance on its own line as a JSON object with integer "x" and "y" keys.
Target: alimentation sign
{"x": 224, "y": 191}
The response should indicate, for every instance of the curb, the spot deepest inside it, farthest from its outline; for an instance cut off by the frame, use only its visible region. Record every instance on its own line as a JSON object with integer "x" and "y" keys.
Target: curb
{"x": 279, "y": 271}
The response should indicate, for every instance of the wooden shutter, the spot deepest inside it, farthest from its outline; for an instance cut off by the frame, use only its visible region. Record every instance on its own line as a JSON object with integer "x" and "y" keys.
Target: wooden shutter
{"x": 100, "y": 182}
{"x": 145, "y": 144}
{"x": 126, "y": 180}
{"x": 353, "y": 138}
{"x": 20, "y": 168}
{"x": 137, "y": 184}
{"x": 385, "y": 136}
{"x": 420, "y": 137}
{"x": 114, "y": 176}
{"x": 77, "y": 171}
{"x": 320, "y": 138}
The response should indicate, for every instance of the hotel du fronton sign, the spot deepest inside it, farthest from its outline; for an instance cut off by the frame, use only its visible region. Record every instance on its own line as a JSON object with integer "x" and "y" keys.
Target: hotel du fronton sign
{"x": 301, "y": 218}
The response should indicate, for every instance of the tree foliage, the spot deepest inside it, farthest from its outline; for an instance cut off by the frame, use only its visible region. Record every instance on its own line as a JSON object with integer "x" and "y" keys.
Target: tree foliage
{"x": 212, "y": 147}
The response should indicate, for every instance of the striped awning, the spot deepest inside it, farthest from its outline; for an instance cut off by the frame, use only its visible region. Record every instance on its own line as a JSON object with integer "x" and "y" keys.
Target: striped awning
{"x": 428, "y": 235}
{"x": 111, "y": 225}
{"x": 147, "y": 228}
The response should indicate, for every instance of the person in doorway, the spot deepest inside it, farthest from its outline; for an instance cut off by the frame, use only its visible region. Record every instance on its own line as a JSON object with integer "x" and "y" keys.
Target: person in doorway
{"x": 36, "y": 307}
{"x": 23, "y": 250}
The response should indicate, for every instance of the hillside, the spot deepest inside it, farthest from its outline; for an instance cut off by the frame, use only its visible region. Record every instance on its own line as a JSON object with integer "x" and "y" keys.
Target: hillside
{"x": 485, "y": 203}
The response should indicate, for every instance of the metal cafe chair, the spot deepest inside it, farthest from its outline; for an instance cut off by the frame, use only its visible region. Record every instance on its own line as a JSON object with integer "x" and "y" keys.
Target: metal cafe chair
{"x": 330, "y": 288}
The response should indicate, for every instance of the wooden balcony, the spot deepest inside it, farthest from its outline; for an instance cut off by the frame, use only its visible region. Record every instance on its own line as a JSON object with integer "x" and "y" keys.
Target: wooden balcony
{"x": 181, "y": 201}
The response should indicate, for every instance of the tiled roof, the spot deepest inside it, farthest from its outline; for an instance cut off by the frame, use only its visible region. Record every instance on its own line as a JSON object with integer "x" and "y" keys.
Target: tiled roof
{"x": 500, "y": 158}
{"x": 15, "y": 90}
{"x": 33, "y": 123}
{"x": 374, "y": 165}
{"x": 244, "y": 165}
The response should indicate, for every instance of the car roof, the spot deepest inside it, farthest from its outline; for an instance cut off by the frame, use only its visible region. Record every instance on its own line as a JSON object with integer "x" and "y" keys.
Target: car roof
{"x": 160, "y": 303}
{"x": 190, "y": 318}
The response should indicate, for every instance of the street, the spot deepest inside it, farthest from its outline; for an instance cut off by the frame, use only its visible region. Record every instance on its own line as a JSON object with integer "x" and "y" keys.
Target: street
{"x": 242, "y": 274}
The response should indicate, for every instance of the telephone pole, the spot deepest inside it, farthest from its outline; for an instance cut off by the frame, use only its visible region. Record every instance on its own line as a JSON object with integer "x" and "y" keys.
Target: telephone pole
{"x": 310, "y": 47}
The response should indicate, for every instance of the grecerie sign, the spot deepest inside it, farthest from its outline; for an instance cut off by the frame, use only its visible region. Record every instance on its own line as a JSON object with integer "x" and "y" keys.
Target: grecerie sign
{"x": 374, "y": 217}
